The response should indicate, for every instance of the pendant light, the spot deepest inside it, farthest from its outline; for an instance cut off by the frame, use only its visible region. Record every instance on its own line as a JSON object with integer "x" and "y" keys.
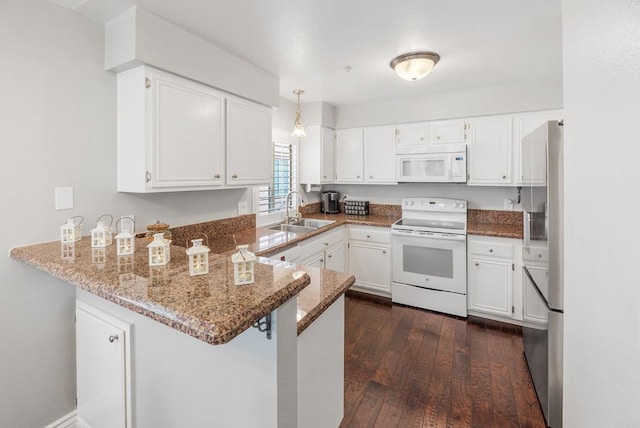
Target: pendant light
{"x": 414, "y": 65}
{"x": 298, "y": 127}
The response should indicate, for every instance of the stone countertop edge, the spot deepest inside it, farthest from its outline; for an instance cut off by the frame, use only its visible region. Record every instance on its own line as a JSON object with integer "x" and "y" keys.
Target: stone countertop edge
{"x": 319, "y": 309}
{"x": 217, "y": 334}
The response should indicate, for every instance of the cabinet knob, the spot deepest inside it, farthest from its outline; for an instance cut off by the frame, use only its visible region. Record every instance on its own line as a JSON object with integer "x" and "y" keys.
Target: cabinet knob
{"x": 216, "y": 176}
{"x": 357, "y": 176}
{"x": 539, "y": 255}
{"x": 113, "y": 338}
{"x": 329, "y": 256}
{"x": 368, "y": 236}
{"x": 476, "y": 264}
{"x": 491, "y": 250}
{"x": 371, "y": 176}
{"x": 384, "y": 251}
{"x": 422, "y": 138}
{"x": 437, "y": 138}
{"x": 282, "y": 258}
{"x": 324, "y": 176}
{"x": 504, "y": 176}
{"x": 321, "y": 260}
{"x": 234, "y": 176}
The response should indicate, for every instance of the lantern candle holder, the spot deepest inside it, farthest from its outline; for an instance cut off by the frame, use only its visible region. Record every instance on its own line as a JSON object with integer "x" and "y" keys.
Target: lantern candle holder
{"x": 70, "y": 231}
{"x": 159, "y": 250}
{"x": 125, "y": 241}
{"x": 198, "y": 258}
{"x": 101, "y": 235}
{"x": 243, "y": 265}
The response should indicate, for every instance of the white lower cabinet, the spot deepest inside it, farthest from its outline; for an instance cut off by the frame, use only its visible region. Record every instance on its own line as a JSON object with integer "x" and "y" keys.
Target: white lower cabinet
{"x": 102, "y": 368}
{"x": 370, "y": 259}
{"x": 325, "y": 251}
{"x": 494, "y": 278}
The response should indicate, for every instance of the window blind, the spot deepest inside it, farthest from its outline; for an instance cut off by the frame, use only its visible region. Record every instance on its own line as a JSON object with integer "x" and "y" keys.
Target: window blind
{"x": 273, "y": 197}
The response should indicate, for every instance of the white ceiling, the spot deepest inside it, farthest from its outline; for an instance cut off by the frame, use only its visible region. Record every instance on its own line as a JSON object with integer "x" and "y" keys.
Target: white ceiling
{"x": 308, "y": 43}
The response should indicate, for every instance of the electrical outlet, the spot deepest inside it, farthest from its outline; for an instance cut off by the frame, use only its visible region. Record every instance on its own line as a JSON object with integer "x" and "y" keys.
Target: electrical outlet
{"x": 64, "y": 198}
{"x": 508, "y": 204}
{"x": 128, "y": 222}
{"x": 242, "y": 208}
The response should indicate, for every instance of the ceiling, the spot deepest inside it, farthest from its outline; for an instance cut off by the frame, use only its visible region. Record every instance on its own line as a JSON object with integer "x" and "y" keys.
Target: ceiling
{"x": 308, "y": 43}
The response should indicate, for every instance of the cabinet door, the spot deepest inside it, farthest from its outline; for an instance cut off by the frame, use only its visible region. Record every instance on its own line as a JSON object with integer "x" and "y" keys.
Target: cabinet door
{"x": 490, "y": 157}
{"x": 411, "y": 136}
{"x": 447, "y": 131}
{"x": 248, "y": 143}
{"x": 334, "y": 258}
{"x": 310, "y": 150}
{"x": 316, "y": 260}
{"x": 349, "y": 156}
{"x": 379, "y": 151}
{"x": 101, "y": 370}
{"x": 187, "y": 133}
{"x": 490, "y": 288}
{"x": 371, "y": 265}
{"x": 531, "y": 168}
{"x": 328, "y": 158}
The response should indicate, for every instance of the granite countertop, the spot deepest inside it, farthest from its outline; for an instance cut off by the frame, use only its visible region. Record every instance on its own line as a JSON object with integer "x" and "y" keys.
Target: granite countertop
{"x": 208, "y": 307}
{"x": 501, "y": 224}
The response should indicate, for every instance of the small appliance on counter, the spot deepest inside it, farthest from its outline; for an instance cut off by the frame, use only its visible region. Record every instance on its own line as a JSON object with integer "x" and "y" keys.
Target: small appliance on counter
{"x": 330, "y": 202}
{"x": 356, "y": 207}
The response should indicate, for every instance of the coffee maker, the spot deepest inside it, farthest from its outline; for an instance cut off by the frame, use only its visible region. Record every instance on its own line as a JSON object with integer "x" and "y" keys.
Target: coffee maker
{"x": 330, "y": 202}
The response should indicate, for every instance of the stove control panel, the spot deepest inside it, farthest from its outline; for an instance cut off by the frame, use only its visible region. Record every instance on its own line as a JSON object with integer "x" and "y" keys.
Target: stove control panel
{"x": 434, "y": 205}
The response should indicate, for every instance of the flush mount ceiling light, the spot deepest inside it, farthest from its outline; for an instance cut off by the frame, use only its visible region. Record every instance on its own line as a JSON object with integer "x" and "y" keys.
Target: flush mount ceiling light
{"x": 414, "y": 65}
{"x": 298, "y": 127}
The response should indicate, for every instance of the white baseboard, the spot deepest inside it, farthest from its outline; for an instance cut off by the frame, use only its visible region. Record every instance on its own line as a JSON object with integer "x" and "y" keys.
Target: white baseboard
{"x": 67, "y": 421}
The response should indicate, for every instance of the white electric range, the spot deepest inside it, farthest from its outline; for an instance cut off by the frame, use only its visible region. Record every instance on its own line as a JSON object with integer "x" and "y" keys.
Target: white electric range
{"x": 429, "y": 247}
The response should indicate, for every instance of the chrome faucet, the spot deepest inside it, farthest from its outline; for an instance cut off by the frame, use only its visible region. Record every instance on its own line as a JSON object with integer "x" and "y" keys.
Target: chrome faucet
{"x": 297, "y": 215}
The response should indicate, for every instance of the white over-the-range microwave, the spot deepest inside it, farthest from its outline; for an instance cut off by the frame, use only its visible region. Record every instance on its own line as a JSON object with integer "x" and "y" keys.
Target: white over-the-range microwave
{"x": 445, "y": 163}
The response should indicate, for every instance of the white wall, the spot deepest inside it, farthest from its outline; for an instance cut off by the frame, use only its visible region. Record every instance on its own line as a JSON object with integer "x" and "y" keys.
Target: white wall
{"x": 57, "y": 104}
{"x": 508, "y": 98}
{"x": 601, "y": 43}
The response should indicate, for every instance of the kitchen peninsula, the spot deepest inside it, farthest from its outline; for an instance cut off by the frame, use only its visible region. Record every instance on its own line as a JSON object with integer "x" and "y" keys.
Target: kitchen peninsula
{"x": 172, "y": 373}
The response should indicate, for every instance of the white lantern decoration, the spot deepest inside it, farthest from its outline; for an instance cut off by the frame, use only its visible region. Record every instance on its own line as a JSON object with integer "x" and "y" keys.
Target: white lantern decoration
{"x": 99, "y": 257}
{"x": 198, "y": 258}
{"x": 68, "y": 250}
{"x": 159, "y": 250}
{"x": 125, "y": 264}
{"x": 101, "y": 235}
{"x": 243, "y": 265}
{"x": 157, "y": 275}
{"x": 70, "y": 231}
{"x": 125, "y": 243}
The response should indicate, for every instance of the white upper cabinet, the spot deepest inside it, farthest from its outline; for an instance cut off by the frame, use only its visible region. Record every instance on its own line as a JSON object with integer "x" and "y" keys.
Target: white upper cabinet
{"x": 317, "y": 156}
{"x": 490, "y": 151}
{"x": 535, "y": 171}
{"x": 379, "y": 151}
{"x": 248, "y": 142}
{"x": 447, "y": 131}
{"x": 349, "y": 156}
{"x": 170, "y": 133}
{"x": 411, "y": 136}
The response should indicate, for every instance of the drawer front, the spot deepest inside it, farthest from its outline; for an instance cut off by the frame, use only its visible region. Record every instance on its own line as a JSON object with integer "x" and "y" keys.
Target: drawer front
{"x": 381, "y": 235}
{"x": 491, "y": 249}
{"x": 333, "y": 237}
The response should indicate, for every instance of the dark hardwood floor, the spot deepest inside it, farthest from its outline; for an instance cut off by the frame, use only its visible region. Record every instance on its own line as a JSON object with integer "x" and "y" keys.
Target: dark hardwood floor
{"x": 406, "y": 367}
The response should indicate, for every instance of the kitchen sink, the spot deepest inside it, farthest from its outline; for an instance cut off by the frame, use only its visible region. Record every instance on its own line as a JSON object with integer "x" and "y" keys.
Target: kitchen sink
{"x": 312, "y": 222}
{"x": 293, "y": 228}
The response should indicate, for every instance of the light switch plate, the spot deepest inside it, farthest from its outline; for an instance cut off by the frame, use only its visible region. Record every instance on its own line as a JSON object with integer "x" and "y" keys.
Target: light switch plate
{"x": 242, "y": 207}
{"x": 64, "y": 198}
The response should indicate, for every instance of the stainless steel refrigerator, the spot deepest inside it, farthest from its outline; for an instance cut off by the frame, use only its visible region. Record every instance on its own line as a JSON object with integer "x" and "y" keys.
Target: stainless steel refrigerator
{"x": 542, "y": 193}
